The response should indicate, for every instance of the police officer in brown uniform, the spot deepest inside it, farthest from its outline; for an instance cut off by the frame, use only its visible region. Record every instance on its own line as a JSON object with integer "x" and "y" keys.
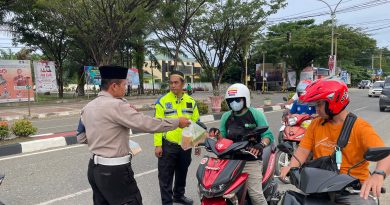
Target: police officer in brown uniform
{"x": 106, "y": 121}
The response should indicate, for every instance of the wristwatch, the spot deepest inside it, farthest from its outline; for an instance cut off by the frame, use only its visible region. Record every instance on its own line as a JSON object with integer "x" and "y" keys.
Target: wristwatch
{"x": 380, "y": 172}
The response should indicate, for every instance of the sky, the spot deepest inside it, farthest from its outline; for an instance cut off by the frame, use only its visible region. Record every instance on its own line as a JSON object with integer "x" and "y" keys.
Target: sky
{"x": 371, "y": 15}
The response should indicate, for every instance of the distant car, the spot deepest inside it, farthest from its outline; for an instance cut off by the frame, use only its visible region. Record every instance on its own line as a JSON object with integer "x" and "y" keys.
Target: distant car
{"x": 384, "y": 98}
{"x": 376, "y": 89}
{"x": 364, "y": 84}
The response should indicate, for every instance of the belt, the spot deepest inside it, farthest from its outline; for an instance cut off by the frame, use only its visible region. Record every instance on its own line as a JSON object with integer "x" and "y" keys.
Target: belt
{"x": 111, "y": 161}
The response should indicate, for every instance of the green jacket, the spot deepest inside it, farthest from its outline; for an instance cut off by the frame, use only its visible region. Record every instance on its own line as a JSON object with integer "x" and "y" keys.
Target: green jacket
{"x": 168, "y": 106}
{"x": 260, "y": 119}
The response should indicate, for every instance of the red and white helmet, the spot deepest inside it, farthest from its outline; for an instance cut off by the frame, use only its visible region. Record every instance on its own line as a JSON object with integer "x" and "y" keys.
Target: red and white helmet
{"x": 239, "y": 90}
{"x": 334, "y": 92}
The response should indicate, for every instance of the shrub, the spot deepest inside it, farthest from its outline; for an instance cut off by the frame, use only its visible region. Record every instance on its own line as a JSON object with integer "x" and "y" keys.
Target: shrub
{"x": 23, "y": 128}
{"x": 224, "y": 106}
{"x": 4, "y": 130}
{"x": 202, "y": 107}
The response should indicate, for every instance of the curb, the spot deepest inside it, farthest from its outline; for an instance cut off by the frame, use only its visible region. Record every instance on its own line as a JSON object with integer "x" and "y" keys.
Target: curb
{"x": 67, "y": 139}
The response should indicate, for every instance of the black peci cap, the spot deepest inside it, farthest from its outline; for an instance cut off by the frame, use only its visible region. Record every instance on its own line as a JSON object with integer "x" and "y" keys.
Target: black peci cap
{"x": 113, "y": 72}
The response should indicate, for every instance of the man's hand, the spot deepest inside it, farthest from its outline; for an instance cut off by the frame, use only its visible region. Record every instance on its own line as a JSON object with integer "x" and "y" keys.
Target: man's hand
{"x": 158, "y": 151}
{"x": 198, "y": 151}
{"x": 284, "y": 171}
{"x": 257, "y": 149}
{"x": 184, "y": 122}
{"x": 374, "y": 183}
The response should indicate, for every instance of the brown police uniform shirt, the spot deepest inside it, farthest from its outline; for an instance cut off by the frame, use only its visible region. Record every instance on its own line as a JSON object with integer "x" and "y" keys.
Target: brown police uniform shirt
{"x": 107, "y": 121}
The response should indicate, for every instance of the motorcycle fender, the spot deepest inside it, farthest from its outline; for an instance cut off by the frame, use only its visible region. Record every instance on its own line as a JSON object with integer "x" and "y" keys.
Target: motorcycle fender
{"x": 213, "y": 201}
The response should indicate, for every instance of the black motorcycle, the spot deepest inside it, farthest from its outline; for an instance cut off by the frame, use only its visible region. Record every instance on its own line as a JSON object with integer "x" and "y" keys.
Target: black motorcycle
{"x": 320, "y": 186}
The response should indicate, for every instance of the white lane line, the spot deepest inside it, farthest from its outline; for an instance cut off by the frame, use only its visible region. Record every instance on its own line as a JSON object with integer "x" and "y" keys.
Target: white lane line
{"x": 88, "y": 190}
{"x": 47, "y": 151}
{"x": 360, "y": 108}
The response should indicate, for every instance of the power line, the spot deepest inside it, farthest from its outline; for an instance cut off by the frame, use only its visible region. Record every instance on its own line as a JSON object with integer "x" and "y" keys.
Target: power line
{"x": 351, "y": 8}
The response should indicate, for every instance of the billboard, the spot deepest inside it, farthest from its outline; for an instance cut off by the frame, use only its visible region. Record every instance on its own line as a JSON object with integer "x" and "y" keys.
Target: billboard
{"x": 45, "y": 76}
{"x": 15, "y": 81}
{"x": 92, "y": 76}
{"x": 133, "y": 76}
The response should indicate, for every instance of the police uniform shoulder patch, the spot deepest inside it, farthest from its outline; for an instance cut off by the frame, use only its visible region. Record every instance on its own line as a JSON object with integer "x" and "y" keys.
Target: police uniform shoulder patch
{"x": 189, "y": 104}
{"x": 168, "y": 105}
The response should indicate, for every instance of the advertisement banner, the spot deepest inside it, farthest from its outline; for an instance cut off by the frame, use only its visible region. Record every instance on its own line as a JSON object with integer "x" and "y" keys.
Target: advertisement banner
{"x": 45, "y": 76}
{"x": 92, "y": 75}
{"x": 133, "y": 77}
{"x": 15, "y": 81}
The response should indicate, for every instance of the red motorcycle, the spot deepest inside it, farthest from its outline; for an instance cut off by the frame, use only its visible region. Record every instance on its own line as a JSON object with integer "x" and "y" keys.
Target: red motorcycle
{"x": 221, "y": 180}
{"x": 293, "y": 129}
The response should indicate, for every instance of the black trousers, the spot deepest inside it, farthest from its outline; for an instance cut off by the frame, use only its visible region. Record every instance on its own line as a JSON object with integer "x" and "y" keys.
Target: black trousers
{"x": 173, "y": 163}
{"x": 113, "y": 184}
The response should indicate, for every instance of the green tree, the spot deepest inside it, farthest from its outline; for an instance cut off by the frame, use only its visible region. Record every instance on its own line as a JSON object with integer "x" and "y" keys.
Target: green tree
{"x": 215, "y": 37}
{"x": 103, "y": 26}
{"x": 171, "y": 23}
{"x": 36, "y": 24}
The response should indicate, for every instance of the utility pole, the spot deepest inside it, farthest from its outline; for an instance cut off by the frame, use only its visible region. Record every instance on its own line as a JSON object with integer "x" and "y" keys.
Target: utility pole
{"x": 333, "y": 16}
{"x": 335, "y": 52}
{"x": 263, "y": 88}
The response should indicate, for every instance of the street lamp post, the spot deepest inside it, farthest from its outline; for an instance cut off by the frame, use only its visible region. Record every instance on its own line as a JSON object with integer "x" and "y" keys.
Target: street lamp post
{"x": 263, "y": 87}
{"x": 333, "y": 15}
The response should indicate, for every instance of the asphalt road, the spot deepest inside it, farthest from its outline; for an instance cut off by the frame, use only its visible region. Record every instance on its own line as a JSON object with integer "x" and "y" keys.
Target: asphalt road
{"x": 58, "y": 176}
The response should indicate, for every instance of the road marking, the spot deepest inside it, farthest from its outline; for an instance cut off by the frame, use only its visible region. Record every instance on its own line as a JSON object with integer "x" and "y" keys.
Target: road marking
{"x": 47, "y": 151}
{"x": 88, "y": 190}
{"x": 360, "y": 108}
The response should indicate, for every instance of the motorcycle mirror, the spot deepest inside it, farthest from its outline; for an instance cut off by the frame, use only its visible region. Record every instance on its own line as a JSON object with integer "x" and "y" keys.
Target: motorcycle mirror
{"x": 285, "y": 99}
{"x": 376, "y": 153}
{"x": 201, "y": 124}
{"x": 285, "y": 147}
{"x": 259, "y": 130}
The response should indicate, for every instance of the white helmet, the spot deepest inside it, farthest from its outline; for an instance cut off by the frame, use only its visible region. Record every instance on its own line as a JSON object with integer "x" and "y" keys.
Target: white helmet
{"x": 239, "y": 90}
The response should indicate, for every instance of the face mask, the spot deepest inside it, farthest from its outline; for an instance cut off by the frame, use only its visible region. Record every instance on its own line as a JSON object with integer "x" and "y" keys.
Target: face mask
{"x": 237, "y": 106}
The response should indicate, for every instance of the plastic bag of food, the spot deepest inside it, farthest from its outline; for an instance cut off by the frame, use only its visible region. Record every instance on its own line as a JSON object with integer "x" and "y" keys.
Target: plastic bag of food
{"x": 135, "y": 148}
{"x": 192, "y": 136}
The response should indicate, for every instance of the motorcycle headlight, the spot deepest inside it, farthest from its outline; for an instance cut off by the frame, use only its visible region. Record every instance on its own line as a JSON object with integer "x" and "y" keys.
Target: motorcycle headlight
{"x": 292, "y": 121}
{"x": 218, "y": 188}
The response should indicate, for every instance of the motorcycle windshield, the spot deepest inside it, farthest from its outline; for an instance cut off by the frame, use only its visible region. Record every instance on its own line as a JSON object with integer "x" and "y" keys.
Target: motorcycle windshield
{"x": 313, "y": 180}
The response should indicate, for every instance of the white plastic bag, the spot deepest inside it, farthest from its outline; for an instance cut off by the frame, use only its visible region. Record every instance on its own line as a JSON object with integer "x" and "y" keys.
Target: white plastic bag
{"x": 192, "y": 136}
{"x": 135, "y": 148}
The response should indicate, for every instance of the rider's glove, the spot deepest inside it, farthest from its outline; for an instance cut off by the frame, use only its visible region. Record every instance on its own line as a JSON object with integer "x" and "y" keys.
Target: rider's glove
{"x": 260, "y": 146}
